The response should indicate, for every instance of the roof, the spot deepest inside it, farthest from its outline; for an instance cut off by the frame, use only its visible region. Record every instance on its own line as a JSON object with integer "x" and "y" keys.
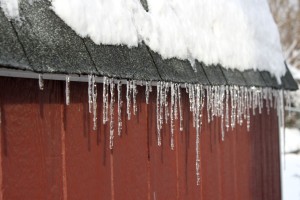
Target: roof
{"x": 43, "y": 43}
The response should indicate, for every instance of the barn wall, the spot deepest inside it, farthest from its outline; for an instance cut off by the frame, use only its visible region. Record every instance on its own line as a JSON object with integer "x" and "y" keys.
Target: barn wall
{"x": 50, "y": 151}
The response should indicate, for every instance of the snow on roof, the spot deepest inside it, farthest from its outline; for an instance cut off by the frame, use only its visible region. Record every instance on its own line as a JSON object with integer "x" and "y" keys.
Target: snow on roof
{"x": 10, "y": 8}
{"x": 238, "y": 34}
{"x": 295, "y": 72}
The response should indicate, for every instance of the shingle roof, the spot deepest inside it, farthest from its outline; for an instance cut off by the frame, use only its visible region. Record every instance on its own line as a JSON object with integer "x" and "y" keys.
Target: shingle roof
{"x": 43, "y": 43}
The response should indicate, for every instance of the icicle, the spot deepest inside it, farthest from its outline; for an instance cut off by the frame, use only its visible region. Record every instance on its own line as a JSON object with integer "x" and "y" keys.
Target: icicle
{"x": 105, "y": 100}
{"x": 192, "y": 102}
{"x": 266, "y": 98}
{"x": 172, "y": 114}
{"x": 175, "y": 101}
{"x": 67, "y": 90}
{"x": 271, "y": 97}
{"x": 280, "y": 113}
{"x": 128, "y": 99}
{"x": 180, "y": 109}
{"x": 221, "y": 100}
{"x": 213, "y": 102}
{"x": 162, "y": 104}
{"x": 147, "y": 91}
{"x": 254, "y": 100}
{"x": 287, "y": 95}
{"x": 198, "y": 116}
{"x": 248, "y": 104}
{"x": 186, "y": 88}
{"x": 227, "y": 108}
{"x": 41, "y": 82}
{"x": 208, "y": 96}
{"x": 260, "y": 100}
{"x": 164, "y": 94}
{"x": 111, "y": 125}
{"x": 240, "y": 106}
{"x": 233, "y": 90}
{"x": 158, "y": 99}
{"x": 94, "y": 99}
{"x": 90, "y": 98}
{"x": 134, "y": 93}
{"x": 275, "y": 95}
{"x": 119, "y": 107}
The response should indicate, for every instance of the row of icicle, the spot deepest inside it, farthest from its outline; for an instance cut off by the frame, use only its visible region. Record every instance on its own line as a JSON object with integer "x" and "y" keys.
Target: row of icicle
{"x": 232, "y": 104}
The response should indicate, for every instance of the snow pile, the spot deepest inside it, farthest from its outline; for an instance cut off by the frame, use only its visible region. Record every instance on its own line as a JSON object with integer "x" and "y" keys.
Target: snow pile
{"x": 292, "y": 139}
{"x": 237, "y": 34}
{"x": 291, "y": 178}
{"x": 295, "y": 72}
{"x": 10, "y": 8}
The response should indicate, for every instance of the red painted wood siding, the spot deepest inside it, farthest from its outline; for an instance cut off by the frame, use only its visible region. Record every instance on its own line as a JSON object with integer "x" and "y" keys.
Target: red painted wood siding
{"x": 49, "y": 151}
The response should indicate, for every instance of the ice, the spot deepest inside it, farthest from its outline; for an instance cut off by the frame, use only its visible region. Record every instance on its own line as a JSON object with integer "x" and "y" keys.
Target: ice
{"x": 164, "y": 94}
{"x": 230, "y": 104}
{"x": 221, "y": 96}
{"x": 180, "y": 108}
{"x": 175, "y": 101}
{"x": 111, "y": 112}
{"x": 198, "y": 118}
{"x": 90, "y": 95}
{"x": 248, "y": 106}
{"x": 134, "y": 92}
{"x": 287, "y": 95}
{"x": 148, "y": 89}
{"x": 67, "y": 90}
{"x": 105, "y": 100}
{"x": 41, "y": 82}
{"x": 227, "y": 108}
{"x": 158, "y": 121}
{"x": 119, "y": 88}
{"x": 162, "y": 104}
{"x": 172, "y": 114}
{"x": 94, "y": 102}
{"x": 208, "y": 97}
{"x": 128, "y": 99}
{"x": 233, "y": 105}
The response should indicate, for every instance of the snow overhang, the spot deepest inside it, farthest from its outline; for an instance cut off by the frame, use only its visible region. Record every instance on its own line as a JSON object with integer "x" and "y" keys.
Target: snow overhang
{"x": 43, "y": 43}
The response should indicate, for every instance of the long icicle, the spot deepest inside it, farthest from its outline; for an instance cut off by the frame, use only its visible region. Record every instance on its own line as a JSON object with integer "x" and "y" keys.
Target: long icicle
{"x": 134, "y": 93}
{"x": 128, "y": 99}
{"x": 119, "y": 108}
{"x": 90, "y": 88}
{"x": 198, "y": 119}
{"x": 94, "y": 99}
{"x": 158, "y": 99}
{"x": 180, "y": 108}
{"x": 111, "y": 124}
{"x": 105, "y": 100}
{"x": 172, "y": 114}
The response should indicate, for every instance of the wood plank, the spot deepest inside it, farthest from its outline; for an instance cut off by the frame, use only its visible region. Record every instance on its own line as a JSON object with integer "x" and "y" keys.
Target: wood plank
{"x": 130, "y": 152}
{"x": 87, "y": 151}
{"x": 31, "y": 124}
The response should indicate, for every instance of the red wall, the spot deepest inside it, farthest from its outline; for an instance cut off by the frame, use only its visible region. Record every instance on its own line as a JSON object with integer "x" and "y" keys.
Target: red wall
{"x": 49, "y": 151}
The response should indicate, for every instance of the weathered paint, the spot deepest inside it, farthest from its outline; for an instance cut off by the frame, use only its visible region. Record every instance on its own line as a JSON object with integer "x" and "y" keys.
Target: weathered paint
{"x": 50, "y": 151}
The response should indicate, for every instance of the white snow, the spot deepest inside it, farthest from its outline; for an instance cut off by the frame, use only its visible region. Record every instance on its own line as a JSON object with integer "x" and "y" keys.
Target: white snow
{"x": 291, "y": 177}
{"x": 10, "y": 8}
{"x": 238, "y": 34}
{"x": 292, "y": 139}
{"x": 291, "y": 165}
{"x": 295, "y": 72}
